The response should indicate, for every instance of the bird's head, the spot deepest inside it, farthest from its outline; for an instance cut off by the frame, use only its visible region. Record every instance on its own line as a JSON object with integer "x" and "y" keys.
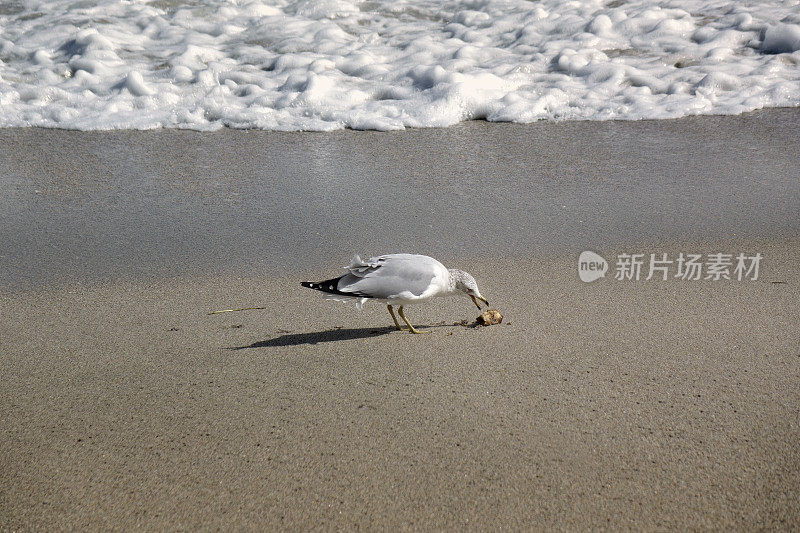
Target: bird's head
{"x": 464, "y": 282}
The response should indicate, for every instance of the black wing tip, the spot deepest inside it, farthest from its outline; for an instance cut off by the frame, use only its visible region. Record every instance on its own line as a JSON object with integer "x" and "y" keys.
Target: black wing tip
{"x": 330, "y": 286}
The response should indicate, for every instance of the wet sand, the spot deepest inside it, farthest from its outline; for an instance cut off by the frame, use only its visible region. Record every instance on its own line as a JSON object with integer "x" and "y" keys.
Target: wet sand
{"x": 126, "y": 204}
{"x": 637, "y": 404}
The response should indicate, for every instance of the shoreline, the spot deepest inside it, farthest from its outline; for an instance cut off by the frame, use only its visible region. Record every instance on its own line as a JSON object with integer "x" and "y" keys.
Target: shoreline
{"x": 412, "y": 128}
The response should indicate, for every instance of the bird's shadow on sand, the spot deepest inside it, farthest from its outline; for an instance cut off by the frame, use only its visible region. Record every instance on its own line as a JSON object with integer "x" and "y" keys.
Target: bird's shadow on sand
{"x": 316, "y": 337}
{"x": 331, "y": 335}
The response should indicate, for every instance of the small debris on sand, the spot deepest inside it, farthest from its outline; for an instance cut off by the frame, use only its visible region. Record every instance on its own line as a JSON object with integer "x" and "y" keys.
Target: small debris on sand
{"x": 489, "y": 318}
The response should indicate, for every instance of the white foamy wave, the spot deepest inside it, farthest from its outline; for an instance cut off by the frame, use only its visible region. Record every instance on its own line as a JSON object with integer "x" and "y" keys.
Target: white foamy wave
{"x": 331, "y": 64}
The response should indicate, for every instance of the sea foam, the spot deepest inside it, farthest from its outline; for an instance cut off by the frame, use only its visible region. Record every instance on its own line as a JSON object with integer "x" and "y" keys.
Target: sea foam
{"x": 332, "y": 64}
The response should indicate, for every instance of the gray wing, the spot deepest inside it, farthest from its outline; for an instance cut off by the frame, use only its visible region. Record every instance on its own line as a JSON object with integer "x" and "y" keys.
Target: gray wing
{"x": 389, "y": 275}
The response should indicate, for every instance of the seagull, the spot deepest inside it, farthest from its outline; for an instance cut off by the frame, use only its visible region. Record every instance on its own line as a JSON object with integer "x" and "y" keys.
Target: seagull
{"x": 397, "y": 279}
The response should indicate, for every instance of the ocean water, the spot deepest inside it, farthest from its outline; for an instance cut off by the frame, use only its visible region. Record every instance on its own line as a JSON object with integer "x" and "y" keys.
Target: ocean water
{"x": 332, "y": 64}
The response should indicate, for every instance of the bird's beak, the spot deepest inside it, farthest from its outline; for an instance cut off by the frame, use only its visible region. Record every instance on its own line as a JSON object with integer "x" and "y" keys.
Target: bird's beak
{"x": 481, "y": 298}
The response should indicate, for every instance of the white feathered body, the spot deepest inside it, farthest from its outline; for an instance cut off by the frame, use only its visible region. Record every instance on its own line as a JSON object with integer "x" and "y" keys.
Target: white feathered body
{"x": 395, "y": 279}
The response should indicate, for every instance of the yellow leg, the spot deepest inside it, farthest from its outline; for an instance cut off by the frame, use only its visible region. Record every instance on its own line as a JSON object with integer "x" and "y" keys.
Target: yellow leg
{"x": 396, "y": 323}
{"x": 410, "y": 327}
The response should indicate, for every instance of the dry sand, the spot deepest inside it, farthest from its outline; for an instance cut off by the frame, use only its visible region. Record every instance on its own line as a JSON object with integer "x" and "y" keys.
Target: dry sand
{"x": 644, "y": 405}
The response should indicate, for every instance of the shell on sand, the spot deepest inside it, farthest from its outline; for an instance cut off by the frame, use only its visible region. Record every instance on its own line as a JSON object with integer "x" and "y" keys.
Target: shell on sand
{"x": 489, "y": 318}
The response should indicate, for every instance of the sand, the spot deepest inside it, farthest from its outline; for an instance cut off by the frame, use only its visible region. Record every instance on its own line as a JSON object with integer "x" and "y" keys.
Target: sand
{"x": 619, "y": 404}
